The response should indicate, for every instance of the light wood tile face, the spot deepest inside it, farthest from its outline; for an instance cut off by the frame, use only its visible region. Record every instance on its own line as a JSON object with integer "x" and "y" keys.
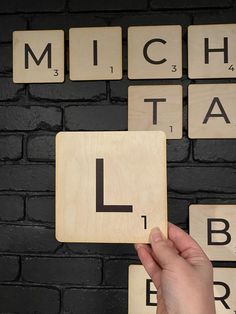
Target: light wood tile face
{"x": 212, "y": 111}
{"x": 142, "y": 294}
{"x": 154, "y": 52}
{"x": 214, "y": 228}
{"x": 95, "y": 53}
{"x": 225, "y": 290}
{"x": 110, "y": 186}
{"x": 211, "y": 51}
{"x": 38, "y": 56}
{"x": 156, "y": 108}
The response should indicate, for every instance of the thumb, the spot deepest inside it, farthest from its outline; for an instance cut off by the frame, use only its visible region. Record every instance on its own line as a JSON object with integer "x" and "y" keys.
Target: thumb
{"x": 165, "y": 255}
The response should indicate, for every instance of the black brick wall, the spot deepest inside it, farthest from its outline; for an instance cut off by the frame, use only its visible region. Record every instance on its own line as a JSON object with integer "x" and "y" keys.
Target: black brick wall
{"x": 38, "y": 274}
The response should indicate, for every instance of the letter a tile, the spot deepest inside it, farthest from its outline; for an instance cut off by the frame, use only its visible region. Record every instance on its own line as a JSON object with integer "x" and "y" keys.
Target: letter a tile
{"x": 211, "y": 51}
{"x": 142, "y": 294}
{"x": 110, "y": 186}
{"x": 212, "y": 111}
{"x": 154, "y": 52}
{"x": 214, "y": 228}
{"x": 38, "y": 56}
{"x": 156, "y": 107}
{"x": 96, "y": 53}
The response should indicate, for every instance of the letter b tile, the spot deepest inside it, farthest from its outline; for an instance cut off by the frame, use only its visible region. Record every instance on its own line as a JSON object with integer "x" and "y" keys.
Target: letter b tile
{"x": 214, "y": 228}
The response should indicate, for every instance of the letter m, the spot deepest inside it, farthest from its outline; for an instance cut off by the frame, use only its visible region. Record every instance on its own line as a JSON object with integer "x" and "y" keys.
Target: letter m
{"x": 47, "y": 50}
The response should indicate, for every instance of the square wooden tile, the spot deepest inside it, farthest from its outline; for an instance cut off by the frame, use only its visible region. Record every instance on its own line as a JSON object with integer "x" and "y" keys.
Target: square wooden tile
{"x": 142, "y": 294}
{"x": 225, "y": 290}
{"x": 95, "y": 53}
{"x": 154, "y": 52}
{"x": 214, "y": 228}
{"x": 38, "y": 56}
{"x": 156, "y": 107}
{"x": 212, "y": 111}
{"x": 211, "y": 51}
{"x": 110, "y": 186}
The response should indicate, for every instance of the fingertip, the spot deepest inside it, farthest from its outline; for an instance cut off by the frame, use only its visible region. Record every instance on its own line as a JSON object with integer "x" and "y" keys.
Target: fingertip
{"x": 156, "y": 235}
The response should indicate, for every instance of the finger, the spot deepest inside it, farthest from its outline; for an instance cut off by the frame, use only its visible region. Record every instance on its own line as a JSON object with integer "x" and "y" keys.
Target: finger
{"x": 150, "y": 265}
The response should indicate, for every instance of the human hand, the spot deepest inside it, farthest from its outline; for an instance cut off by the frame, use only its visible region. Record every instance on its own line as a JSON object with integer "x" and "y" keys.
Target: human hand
{"x": 180, "y": 271}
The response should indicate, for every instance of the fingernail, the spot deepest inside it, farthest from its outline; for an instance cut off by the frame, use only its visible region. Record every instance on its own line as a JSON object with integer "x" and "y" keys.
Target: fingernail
{"x": 156, "y": 235}
{"x": 138, "y": 246}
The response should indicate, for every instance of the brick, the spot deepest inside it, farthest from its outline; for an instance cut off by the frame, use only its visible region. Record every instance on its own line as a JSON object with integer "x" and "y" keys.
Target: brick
{"x": 151, "y": 19}
{"x": 28, "y": 6}
{"x": 9, "y": 268}
{"x": 10, "y": 147}
{"x": 178, "y": 211}
{"x": 70, "y": 90}
{"x": 22, "y": 239}
{"x": 9, "y": 90}
{"x": 178, "y": 150}
{"x": 202, "y": 179}
{"x": 6, "y": 58}
{"x": 116, "y": 272}
{"x": 218, "y": 200}
{"x": 27, "y": 177}
{"x": 111, "y": 5}
{"x": 108, "y": 117}
{"x": 215, "y": 150}
{"x": 9, "y": 24}
{"x": 30, "y": 118}
{"x": 96, "y": 301}
{"x": 12, "y": 207}
{"x": 41, "y": 147}
{"x": 186, "y": 4}
{"x": 215, "y": 17}
{"x": 19, "y": 299}
{"x": 41, "y": 209}
{"x": 80, "y": 271}
{"x": 102, "y": 249}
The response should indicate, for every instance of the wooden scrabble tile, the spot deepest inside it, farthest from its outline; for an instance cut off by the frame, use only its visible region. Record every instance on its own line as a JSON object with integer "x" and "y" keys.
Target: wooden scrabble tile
{"x": 225, "y": 290}
{"x": 95, "y": 53}
{"x": 142, "y": 294}
{"x": 156, "y": 107}
{"x": 154, "y": 52}
{"x": 211, "y": 51}
{"x": 38, "y": 56}
{"x": 110, "y": 186}
{"x": 212, "y": 111}
{"x": 214, "y": 228}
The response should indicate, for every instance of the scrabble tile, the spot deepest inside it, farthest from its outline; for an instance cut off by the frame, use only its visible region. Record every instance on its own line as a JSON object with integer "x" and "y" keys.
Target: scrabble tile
{"x": 156, "y": 107}
{"x": 38, "y": 56}
{"x": 95, "y": 53}
{"x": 154, "y": 52}
{"x": 212, "y": 111}
{"x": 142, "y": 294}
{"x": 225, "y": 290}
{"x": 214, "y": 228}
{"x": 211, "y": 51}
{"x": 110, "y": 186}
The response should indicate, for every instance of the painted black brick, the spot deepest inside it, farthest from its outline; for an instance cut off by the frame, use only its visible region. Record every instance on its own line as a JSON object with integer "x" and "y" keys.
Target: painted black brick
{"x": 9, "y": 90}
{"x": 107, "y": 5}
{"x": 221, "y": 199}
{"x": 19, "y": 299}
{"x": 27, "y": 177}
{"x": 30, "y": 118}
{"x": 41, "y": 147}
{"x": 96, "y": 301}
{"x": 11, "y": 208}
{"x": 178, "y": 150}
{"x": 6, "y": 58}
{"x": 41, "y": 208}
{"x": 70, "y": 90}
{"x": 178, "y": 211}
{"x": 205, "y": 179}
{"x": 108, "y": 117}
{"x": 186, "y": 4}
{"x": 28, "y": 6}
{"x": 10, "y": 23}
{"x": 17, "y": 239}
{"x": 216, "y": 17}
{"x": 215, "y": 150}
{"x": 10, "y": 147}
{"x": 103, "y": 249}
{"x": 65, "y": 270}
{"x": 9, "y": 268}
